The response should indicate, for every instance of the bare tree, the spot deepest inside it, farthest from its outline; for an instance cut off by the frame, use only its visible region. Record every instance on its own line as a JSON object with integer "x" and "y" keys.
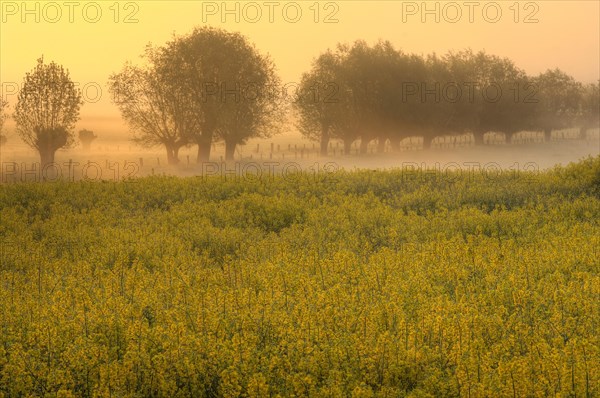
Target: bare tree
{"x": 47, "y": 110}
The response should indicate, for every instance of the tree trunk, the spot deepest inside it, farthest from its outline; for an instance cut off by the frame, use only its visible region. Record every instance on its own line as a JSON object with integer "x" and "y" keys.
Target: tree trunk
{"x": 172, "y": 154}
{"x": 46, "y": 157}
{"x": 229, "y": 150}
{"x": 348, "y": 146}
{"x": 48, "y": 142}
{"x": 364, "y": 146}
{"x": 176, "y": 153}
{"x": 204, "y": 142}
{"x": 478, "y": 137}
{"x": 547, "y": 134}
{"x": 508, "y": 137}
{"x": 381, "y": 144}
{"x": 395, "y": 143}
{"x": 324, "y": 141}
{"x": 427, "y": 140}
{"x": 203, "y": 152}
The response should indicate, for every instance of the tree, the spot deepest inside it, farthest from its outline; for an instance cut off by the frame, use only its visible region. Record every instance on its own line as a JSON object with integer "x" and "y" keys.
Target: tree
{"x": 47, "y": 109}
{"x": 317, "y": 103}
{"x": 589, "y": 115}
{"x": 478, "y": 93}
{"x": 360, "y": 93}
{"x": 220, "y": 73}
{"x": 3, "y": 117}
{"x": 410, "y": 108}
{"x": 348, "y": 94}
{"x": 559, "y": 101}
{"x": 86, "y": 137}
{"x": 432, "y": 113}
{"x": 258, "y": 108}
{"x": 506, "y": 97}
{"x": 154, "y": 104}
{"x": 380, "y": 72}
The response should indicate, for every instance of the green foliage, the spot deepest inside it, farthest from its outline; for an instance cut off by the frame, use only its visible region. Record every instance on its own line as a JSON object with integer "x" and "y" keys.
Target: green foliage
{"x": 47, "y": 109}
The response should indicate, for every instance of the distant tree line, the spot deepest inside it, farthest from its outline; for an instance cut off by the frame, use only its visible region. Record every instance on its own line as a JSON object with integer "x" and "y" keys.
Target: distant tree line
{"x": 212, "y": 85}
{"x": 386, "y": 95}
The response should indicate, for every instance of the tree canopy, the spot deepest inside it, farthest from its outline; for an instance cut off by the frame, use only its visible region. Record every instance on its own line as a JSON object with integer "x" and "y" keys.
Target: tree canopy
{"x": 47, "y": 109}
{"x": 387, "y": 95}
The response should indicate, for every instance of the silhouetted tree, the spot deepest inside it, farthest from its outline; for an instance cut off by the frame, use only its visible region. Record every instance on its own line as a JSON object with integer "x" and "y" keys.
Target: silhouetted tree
{"x": 317, "y": 103}
{"x": 154, "y": 104}
{"x": 408, "y": 107}
{"x": 255, "y": 113}
{"x": 508, "y": 98}
{"x": 221, "y": 72}
{"x": 559, "y": 101}
{"x": 477, "y": 93}
{"x": 86, "y": 137}
{"x": 384, "y": 69}
{"x": 385, "y": 94}
{"x": 3, "y": 117}
{"x": 362, "y": 90}
{"x": 47, "y": 109}
{"x": 589, "y": 115}
{"x": 364, "y": 83}
{"x": 348, "y": 95}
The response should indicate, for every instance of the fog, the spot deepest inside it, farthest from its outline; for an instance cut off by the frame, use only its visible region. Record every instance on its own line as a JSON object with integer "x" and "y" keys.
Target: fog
{"x": 113, "y": 156}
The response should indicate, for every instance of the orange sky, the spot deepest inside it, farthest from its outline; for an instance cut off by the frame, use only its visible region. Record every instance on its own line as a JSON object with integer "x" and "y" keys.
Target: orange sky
{"x": 92, "y": 38}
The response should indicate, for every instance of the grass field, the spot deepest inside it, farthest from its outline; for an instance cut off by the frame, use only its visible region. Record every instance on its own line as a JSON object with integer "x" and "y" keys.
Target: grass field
{"x": 342, "y": 284}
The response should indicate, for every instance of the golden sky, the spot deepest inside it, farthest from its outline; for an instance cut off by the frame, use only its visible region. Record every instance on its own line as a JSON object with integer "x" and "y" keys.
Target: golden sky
{"x": 95, "y": 38}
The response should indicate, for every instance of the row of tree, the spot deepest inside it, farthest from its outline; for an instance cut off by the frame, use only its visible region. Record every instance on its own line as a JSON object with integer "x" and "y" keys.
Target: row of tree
{"x": 387, "y": 95}
{"x": 213, "y": 85}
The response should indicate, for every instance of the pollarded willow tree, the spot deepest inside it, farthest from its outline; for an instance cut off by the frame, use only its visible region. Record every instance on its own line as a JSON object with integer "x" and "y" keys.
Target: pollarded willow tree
{"x": 340, "y": 96}
{"x": 387, "y": 95}
{"x": 494, "y": 95}
{"x": 86, "y": 137}
{"x": 559, "y": 101}
{"x": 47, "y": 109}
{"x": 360, "y": 96}
{"x": 3, "y": 117}
{"x": 154, "y": 104}
{"x": 258, "y": 111}
{"x": 208, "y": 85}
{"x": 318, "y": 102}
{"x": 231, "y": 85}
{"x": 589, "y": 115}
